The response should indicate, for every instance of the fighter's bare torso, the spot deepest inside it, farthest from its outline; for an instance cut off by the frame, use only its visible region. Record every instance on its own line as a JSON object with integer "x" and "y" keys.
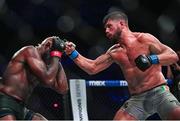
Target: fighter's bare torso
{"x": 18, "y": 80}
{"x": 124, "y": 56}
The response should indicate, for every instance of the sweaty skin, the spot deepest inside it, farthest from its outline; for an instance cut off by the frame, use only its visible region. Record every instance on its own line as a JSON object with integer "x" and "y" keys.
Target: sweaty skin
{"x": 124, "y": 53}
{"x": 26, "y": 69}
{"x": 124, "y": 56}
{"x": 129, "y": 45}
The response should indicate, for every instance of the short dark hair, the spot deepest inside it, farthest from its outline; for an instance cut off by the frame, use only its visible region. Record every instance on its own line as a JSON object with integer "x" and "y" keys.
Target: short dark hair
{"x": 115, "y": 15}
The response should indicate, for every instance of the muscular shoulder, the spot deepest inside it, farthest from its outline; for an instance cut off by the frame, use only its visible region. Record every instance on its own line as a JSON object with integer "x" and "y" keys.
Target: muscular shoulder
{"x": 115, "y": 51}
{"x": 147, "y": 38}
{"x": 29, "y": 49}
{"x": 152, "y": 42}
{"x": 25, "y": 51}
{"x": 114, "y": 48}
{"x": 26, "y": 48}
{"x": 19, "y": 56}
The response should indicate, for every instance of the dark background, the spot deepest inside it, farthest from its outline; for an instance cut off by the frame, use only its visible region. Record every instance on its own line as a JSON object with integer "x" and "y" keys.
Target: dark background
{"x": 24, "y": 22}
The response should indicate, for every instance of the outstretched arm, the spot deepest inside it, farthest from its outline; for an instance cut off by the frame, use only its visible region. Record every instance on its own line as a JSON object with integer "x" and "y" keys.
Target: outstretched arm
{"x": 94, "y": 66}
{"x": 88, "y": 65}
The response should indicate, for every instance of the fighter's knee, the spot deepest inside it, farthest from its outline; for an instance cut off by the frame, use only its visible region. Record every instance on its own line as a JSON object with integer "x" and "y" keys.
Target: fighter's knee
{"x": 123, "y": 115}
{"x": 38, "y": 116}
{"x": 8, "y": 117}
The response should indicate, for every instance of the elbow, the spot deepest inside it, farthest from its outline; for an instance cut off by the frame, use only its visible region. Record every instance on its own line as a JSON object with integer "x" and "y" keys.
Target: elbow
{"x": 176, "y": 58}
{"x": 62, "y": 87}
{"x": 49, "y": 82}
{"x": 64, "y": 91}
{"x": 92, "y": 71}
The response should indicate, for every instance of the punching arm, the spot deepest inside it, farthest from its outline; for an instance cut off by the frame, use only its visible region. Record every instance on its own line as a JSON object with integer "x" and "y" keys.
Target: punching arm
{"x": 93, "y": 66}
{"x": 88, "y": 65}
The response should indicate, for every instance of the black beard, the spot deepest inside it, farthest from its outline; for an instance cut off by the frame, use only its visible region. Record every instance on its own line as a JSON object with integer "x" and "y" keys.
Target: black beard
{"x": 116, "y": 38}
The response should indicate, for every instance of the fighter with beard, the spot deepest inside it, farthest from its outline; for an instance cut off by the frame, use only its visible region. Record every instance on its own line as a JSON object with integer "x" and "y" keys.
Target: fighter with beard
{"x": 140, "y": 57}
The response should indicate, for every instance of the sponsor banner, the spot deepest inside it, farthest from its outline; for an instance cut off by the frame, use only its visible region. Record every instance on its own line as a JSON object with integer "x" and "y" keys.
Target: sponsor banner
{"x": 78, "y": 99}
{"x": 113, "y": 83}
{"x": 106, "y": 83}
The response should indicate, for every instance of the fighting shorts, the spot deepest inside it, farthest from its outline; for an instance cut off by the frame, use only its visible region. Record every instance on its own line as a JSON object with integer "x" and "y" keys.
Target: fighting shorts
{"x": 157, "y": 100}
{"x": 11, "y": 106}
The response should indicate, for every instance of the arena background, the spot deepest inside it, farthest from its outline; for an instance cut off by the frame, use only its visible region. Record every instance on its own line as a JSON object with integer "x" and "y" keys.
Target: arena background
{"x": 24, "y": 22}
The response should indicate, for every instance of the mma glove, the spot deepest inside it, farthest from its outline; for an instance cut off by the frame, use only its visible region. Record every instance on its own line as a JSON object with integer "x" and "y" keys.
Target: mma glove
{"x": 57, "y": 48}
{"x": 143, "y": 62}
{"x": 74, "y": 54}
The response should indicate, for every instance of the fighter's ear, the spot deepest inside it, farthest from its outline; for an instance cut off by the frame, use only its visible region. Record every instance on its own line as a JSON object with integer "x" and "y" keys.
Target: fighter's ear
{"x": 121, "y": 22}
{"x": 48, "y": 44}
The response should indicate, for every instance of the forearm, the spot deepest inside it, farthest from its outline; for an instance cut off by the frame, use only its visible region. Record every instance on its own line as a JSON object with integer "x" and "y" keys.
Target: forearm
{"x": 56, "y": 51}
{"x": 177, "y": 66}
{"x": 51, "y": 72}
{"x": 167, "y": 57}
{"x": 93, "y": 66}
{"x": 53, "y": 67}
{"x": 88, "y": 65}
{"x": 61, "y": 84}
{"x": 169, "y": 73}
{"x": 85, "y": 64}
{"x": 158, "y": 54}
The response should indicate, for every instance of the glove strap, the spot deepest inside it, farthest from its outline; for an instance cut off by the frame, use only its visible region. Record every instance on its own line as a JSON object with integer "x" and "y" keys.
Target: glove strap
{"x": 56, "y": 54}
{"x": 154, "y": 59}
{"x": 74, "y": 55}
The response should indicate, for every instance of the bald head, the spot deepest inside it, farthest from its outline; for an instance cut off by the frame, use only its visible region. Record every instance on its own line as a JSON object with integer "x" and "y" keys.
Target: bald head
{"x": 48, "y": 40}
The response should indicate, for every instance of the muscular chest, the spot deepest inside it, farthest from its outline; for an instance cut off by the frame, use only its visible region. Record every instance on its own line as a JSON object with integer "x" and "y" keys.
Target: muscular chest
{"x": 126, "y": 55}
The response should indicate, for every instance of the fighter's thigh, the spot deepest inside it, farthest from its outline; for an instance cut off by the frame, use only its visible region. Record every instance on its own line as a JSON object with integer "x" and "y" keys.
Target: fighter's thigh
{"x": 123, "y": 115}
{"x": 8, "y": 117}
{"x": 38, "y": 116}
{"x": 174, "y": 114}
{"x": 169, "y": 107}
